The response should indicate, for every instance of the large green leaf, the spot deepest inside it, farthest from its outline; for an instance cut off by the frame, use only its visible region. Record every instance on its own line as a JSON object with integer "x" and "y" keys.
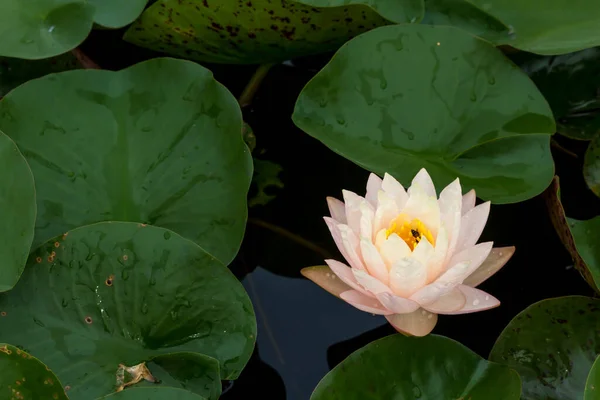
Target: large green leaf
{"x": 400, "y": 98}
{"x": 592, "y": 384}
{"x": 259, "y": 31}
{"x": 399, "y": 11}
{"x": 586, "y": 235}
{"x": 124, "y": 293}
{"x": 552, "y": 345}
{"x": 25, "y": 377}
{"x": 547, "y": 27}
{"x": 571, "y": 84}
{"x": 159, "y": 143}
{"x": 35, "y": 29}
{"x": 432, "y": 367}
{"x": 17, "y": 212}
{"x": 149, "y": 393}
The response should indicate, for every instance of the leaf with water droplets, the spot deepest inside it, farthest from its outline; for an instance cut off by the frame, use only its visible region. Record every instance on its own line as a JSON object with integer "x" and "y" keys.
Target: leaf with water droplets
{"x": 552, "y": 345}
{"x": 197, "y": 306}
{"x": 457, "y": 107}
{"x": 94, "y": 160}
{"x": 432, "y": 367}
{"x": 592, "y": 384}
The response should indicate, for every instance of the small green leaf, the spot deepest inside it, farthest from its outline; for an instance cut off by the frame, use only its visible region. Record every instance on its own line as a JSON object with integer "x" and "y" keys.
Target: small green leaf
{"x": 124, "y": 293}
{"x": 259, "y": 31}
{"x": 266, "y": 178}
{"x": 149, "y": 393}
{"x": 552, "y": 31}
{"x": 25, "y": 377}
{"x": 17, "y": 212}
{"x": 428, "y": 368}
{"x": 552, "y": 345}
{"x": 159, "y": 143}
{"x": 591, "y": 165}
{"x": 117, "y": 13}
{"x": 400, "y": 98}
{"x": 592, "y": 385}
{"x": 586, "y": 235}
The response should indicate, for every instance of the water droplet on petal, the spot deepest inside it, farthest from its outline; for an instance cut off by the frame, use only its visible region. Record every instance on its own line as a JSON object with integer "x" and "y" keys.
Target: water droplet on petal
{"x": 475, "y": 302}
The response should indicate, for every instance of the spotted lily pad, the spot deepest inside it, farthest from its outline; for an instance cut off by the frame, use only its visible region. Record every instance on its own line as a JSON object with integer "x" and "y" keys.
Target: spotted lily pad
{"x": 260, "y": 31}
{"x": 117, "y": 293}
{"x": 45, "y": 28}
{"x": 552, "y": 344}
{"x": 428, "y": 368}
{"x": 17, "y": 212}
{"x": 404, "y": 97}
{"x": 592, "y": 385}
{"x": 25, "y": 377}
{"x": 159, "y": 143}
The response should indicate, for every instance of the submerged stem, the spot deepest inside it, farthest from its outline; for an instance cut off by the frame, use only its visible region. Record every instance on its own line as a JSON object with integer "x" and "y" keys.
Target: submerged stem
{"x": 253, "y": 85}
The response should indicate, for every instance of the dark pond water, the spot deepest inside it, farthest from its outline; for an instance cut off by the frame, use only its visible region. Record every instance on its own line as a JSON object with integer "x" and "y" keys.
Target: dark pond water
{"x": 303, "y": 331}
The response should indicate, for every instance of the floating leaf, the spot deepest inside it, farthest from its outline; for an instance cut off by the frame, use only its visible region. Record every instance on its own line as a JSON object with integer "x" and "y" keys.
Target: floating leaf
{"x": 159, "y": 143}
{"x": 552, "y": 345}
{"x": 259, "y": 31}
{"x": 431, "y": 367}
{"x": 397, "y": 11}
{"x": 592, "y": 385}
{"x": 266, "y": 176}
{"x": 400, "y": 98}
{"x": 552, "y": 31}
{"x": 591, "y": 165}
{"x": 17, "y": 212}
{"x": 46, "y": 28}
{"x": 123, "y": 293}
{"x": 148, "y": 393}
{"x": 25, "y": 377}
{"x": 586, "y": 235}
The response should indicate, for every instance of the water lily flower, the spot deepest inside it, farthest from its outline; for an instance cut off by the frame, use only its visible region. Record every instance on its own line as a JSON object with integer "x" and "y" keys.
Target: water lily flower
{"x": 412, "y": 255}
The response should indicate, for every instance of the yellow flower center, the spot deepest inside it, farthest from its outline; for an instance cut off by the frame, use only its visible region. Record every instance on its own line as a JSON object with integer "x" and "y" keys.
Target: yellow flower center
{"x": 410, "y": 231}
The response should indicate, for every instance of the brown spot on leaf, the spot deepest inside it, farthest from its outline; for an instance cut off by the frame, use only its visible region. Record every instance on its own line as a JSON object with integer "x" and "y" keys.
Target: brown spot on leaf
{"x": 89, "y": 320}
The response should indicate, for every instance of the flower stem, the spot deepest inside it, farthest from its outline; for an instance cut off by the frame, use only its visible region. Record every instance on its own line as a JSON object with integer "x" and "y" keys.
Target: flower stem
{"x": 559, "y": 147}
{"x": 84, "y": 60}
{"x": 253, "y": 85}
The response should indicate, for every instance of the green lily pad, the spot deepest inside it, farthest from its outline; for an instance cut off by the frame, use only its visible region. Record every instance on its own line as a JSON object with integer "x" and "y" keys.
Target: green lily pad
{"x": 25, "y": 377}
{"x": 17, "y": 208}
{"x": 159, "y": 143}
{"x": 552, "y": 344}
{"x": 258, "y": 31}
{"x": 37, "y": 29}
{"x": 431, "y": 367}
{"x": 464, "y": 15}
{"x": 552, "y": 31}
{"x": 396, "y": 11}
{"x": 586, "y": 235}
{"x": 266, "y": 180}
{"x": 124, "y": 293}
{"x": 148, "y": 393}
{"x": 400, "y": 98}
{"x": 592, "y": 385}
{"x": 591, "y": 165}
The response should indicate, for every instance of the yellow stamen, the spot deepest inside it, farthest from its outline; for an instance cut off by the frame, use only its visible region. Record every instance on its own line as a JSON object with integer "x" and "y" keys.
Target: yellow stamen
{"x": 410, "y": 231}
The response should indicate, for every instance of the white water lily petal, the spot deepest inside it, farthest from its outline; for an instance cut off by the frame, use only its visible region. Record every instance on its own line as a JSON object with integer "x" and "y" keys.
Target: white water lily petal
{"x": 385, "y": 213}
{"x": 392, "y": 249}
{"x": 395, "y": 190}
{"x": 476, "y": 300}
{"x": 423, "y": 253}
{"x": 417, "y": 323}
{"x": 423, "y": 180}
{"x": 450, "y": 211}
{"x": 492, "y": 264}
{"x": 344, "y": 272}
{"x": 373, "y": 262}
{"x": 437, "y": 262}
{"x": 353, "y": 214}
{"x": 364, "y": 303}
{"x": 337, "y": 236}
{"x": 431, "y": 292}
{"x": 327, "y": 279}
{"x": 373, "y": 187}
{"x": 472, "y": 258}
{"x": 337, "y": 210}
{"x": 423, "y": 207}
{"x": 453, "y": 301}
{"x": 407, "y": 276}
{"x": 371, "y": 284}
{"x": 352, "y": 247}
{"x": 366, "y": 221}
{"x": 468, "y": 201}
{"x": 397, "y": 304}
{"x": 471, "y": 226}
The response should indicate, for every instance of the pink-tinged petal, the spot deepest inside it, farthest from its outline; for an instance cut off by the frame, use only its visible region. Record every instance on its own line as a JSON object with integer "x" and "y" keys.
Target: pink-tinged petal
{"x": 468, "y": 201}
{"x": 492, "y": 264}
{"x": 437, "y": 263}
{"x": 364, "y": 303}
{"x": 450, "y": 211}
{"x": 337, "y": 210}
{"x": 423, "y": 207}
{"x": 352, "y": 202}
{"x": 352, "y": 247}
{"x": 373, "y": 187}
{"x": 453, "y": 221}
{"x": 395, "y": 190}
{"x": 366, "y": 221}
{"x": 385, "y": 213}
{"x": 323, "y": 276}
{"x": 453, "y": 301}
{"x": 373, "y": 261}
{"x": 397, "y": 304}
{"x": 423, "y": 252}
{"x": 466, "y": 262}
{"x": 371, "y": 284}
{"x": 471, "y": 226}
{"x": 345, "y": 274}
{"x": 417, "y": 323}
{"x": 430, "y": 293}
{"x": 337, "y": 236}
{"x": 407, "y": 276}
{"x": 392, "y": 249}
{"x": 423, "y": 180}
{"x": 476, "y": 300}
